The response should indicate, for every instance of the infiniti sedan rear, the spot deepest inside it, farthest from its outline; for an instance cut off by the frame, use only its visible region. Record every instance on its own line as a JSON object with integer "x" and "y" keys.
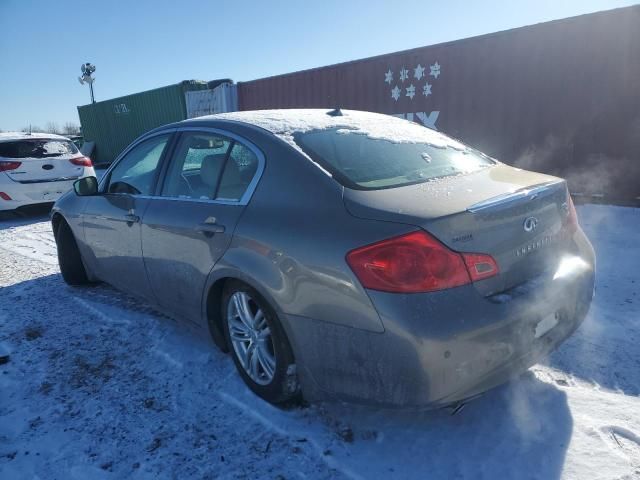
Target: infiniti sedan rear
{"x": 338, "y": 254}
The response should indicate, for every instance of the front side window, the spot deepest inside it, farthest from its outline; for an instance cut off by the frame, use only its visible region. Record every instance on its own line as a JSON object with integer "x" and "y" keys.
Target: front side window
{"x": 135, "y": 172}
{"x": 37, "y": 148}
{"x": 365, "y": 162}
{"x": 208, "y": 166}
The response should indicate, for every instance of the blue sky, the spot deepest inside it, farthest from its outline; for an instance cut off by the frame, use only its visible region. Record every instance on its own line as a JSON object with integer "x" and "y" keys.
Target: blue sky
{"x": 143, "y": 44}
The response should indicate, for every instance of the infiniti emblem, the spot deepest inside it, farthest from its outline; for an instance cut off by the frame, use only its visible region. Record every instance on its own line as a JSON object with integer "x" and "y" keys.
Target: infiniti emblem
{"x": 530, "y": 224}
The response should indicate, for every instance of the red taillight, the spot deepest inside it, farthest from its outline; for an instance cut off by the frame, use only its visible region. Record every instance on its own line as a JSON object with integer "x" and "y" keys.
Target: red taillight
{"x": 82, "y": 161}
{"x": 415, "y": 262}
{"x": 4, "y": 166}
{"x": 4, "y": 196}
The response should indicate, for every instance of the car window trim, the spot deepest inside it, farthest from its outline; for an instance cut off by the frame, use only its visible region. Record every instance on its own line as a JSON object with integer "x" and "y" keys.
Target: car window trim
{"x": 227, "y": 155}
{"x": 248, "y": 193}
{"x": 166, "y": 163}
{"x": 104, "y": 181}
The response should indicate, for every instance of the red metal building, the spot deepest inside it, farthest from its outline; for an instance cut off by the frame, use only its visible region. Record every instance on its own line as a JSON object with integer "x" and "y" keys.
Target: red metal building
{"x": 561, "y": 97}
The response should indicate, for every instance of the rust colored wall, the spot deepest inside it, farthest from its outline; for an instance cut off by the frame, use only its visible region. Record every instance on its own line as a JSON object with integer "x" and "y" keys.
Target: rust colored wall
{"x": 561, "y": 97}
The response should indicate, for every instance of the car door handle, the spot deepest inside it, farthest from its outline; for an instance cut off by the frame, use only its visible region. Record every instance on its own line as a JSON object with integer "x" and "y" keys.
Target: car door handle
{"x": 128, "y": 218}
{"x": 209, "y": 226}
{"x": 131, "y": 218}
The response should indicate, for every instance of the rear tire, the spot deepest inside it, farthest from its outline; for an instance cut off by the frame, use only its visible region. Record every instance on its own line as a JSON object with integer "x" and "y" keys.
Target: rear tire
{"x": 8, "y": 214}
{"x": 71, "y": 266}
{"x": 260, "y": 342}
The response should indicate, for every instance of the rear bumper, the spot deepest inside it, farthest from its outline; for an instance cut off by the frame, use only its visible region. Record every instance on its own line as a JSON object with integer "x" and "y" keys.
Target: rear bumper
{"x": 23, "y": 194}
{"x": 443, "y": 347}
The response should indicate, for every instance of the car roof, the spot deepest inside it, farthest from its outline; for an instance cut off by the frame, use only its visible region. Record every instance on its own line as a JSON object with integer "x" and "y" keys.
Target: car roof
{"x": 13, "y": 136}
{"x": 286, "y": 123}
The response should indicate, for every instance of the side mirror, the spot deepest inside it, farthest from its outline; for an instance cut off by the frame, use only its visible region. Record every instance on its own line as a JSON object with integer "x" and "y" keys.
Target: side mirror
{"x": 86, "y": 186}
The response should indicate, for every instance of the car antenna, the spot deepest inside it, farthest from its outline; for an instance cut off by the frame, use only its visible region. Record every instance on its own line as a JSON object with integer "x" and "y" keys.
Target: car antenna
{"x": 336, "y": 112}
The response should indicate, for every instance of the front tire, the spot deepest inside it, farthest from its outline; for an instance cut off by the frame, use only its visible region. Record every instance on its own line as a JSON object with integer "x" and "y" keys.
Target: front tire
{"x": 258, "y": 344}
{"x": 71, "y": 266}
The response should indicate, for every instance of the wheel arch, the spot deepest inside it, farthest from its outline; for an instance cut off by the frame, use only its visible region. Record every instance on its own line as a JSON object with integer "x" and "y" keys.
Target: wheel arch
{"x": 56, "y": 220}
{"x": 213, "y": 315}
{"x": 213, "y": 296}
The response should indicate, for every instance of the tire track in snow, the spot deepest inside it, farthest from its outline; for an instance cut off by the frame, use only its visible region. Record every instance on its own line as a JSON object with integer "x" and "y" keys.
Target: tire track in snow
{"x": 166, "y": 356}
{"x": 626, "y": 441}
{"x": 102, "y": 316}
{"x": 34, "y": 241}
{"x": 268, "y": 424}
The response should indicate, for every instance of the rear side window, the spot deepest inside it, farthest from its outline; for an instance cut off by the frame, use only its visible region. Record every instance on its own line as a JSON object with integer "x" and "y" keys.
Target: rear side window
{"x": 197, "y": 166}
{"x": 37, "y": 148}
{"x": 365, "y": 163}
{"x": 238, "y": 173}
{"x": 207, "y": 166}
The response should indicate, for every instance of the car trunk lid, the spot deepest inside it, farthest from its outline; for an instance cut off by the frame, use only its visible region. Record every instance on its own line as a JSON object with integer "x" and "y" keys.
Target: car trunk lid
{"x": 513, "y": 215}
{"x": 40, "y": 159}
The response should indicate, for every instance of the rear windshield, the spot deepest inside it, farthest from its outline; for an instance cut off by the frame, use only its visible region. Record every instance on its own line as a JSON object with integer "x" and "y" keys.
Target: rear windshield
{"x": 37, "y": 148}
{"x": 365, "y": 163}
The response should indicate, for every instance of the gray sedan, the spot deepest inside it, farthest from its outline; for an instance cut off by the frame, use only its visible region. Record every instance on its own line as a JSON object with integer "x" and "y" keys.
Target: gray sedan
{"x": 337, "y": 254}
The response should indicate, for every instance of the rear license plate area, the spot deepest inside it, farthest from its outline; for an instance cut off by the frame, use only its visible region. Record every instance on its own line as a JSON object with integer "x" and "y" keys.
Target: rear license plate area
{"x": 546, "y": 324}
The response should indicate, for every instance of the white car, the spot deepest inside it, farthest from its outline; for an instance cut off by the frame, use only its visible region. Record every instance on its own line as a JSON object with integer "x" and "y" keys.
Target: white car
{"x": 38, "y": 168}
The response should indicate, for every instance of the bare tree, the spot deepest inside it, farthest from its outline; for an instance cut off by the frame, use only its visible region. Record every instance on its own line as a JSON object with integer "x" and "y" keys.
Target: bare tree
{"x": 71, "y": 128}
{"x": 52, "y": 127}
{"x": 31, "y": 128}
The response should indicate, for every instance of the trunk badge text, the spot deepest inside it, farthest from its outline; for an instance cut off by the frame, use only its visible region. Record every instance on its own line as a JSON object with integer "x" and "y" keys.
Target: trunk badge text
{"x": 466, "y": 237}
{"x": 530, "y": 224}
{"x": 534, "y": 246}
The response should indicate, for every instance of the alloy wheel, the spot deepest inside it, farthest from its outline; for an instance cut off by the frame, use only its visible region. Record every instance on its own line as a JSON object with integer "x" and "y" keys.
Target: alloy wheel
{"x": 251, "y": 338}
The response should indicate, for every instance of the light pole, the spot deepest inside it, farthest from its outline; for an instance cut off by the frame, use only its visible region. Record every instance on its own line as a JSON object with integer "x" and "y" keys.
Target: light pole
{"x": 87, "y": 70}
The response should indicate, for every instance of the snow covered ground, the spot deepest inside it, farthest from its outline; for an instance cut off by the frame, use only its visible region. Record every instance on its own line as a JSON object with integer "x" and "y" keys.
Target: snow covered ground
{"x": 98, "y": 385}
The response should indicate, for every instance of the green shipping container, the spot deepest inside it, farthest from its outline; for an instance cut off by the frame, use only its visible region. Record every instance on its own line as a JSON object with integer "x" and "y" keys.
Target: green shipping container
{"x": 113, "y": 124}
